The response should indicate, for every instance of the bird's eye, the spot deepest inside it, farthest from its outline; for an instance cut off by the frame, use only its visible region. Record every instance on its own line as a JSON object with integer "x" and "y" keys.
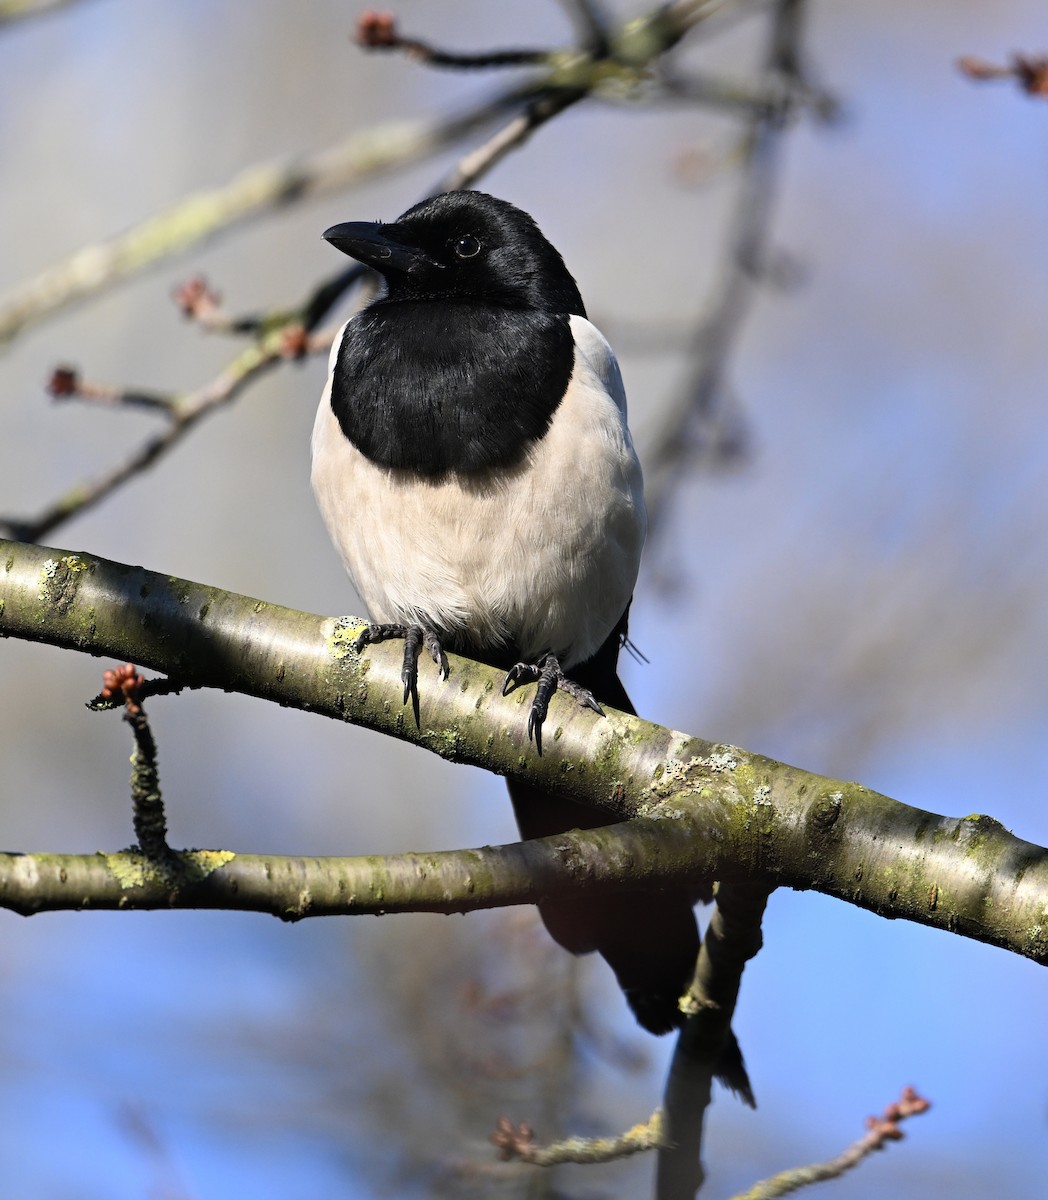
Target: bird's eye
{"x": 467, "y": 247}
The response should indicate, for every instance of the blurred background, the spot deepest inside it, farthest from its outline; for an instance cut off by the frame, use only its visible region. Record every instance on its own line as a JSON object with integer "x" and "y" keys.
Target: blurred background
{"x": 854, "y": 582}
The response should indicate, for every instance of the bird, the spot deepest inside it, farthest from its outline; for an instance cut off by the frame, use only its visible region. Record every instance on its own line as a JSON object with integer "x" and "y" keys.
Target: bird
{"x": 473, "y": 466}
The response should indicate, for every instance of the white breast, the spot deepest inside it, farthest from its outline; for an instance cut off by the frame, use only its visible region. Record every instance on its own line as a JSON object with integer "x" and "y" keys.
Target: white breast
{"x": 545, "y": 555}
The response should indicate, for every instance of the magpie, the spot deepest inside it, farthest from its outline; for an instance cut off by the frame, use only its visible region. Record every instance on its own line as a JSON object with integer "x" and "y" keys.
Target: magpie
{"x": 474, "y": 469}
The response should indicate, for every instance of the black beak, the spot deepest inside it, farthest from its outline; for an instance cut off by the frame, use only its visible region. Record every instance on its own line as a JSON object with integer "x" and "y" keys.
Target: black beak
{"x": 376, "y": 246}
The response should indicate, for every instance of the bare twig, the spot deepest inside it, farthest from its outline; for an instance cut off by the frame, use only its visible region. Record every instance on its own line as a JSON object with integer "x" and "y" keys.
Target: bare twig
{"x": 185, "y": 412}
{"x": 150, "y": 823}
{"x": 880, "y": 1131}
{"x": 199, "y": 302}
{"x": 255, "y": 191}
{"x": 1030, "y": 71}
{"x": 65, "y": 384}
{"x": 518, "y": 1142}
{"x": 378, "y": 31}
{"x": 511, "y": 136}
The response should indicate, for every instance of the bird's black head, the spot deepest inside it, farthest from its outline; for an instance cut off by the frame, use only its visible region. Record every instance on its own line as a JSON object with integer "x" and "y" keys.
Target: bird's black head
{"x": 460, "y": 365}
{"x": 464, "y": 246}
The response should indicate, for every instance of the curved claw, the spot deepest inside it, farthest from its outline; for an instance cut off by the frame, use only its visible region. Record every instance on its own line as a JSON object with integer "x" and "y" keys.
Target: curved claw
{"x": 415, "y": 637}
{"x": 583, "y": 695}
{"x": 550, "y": 679}
{"x": 436, "y": 652}
{"x": 412, "y": 649}
{"x": 517, "y": 674}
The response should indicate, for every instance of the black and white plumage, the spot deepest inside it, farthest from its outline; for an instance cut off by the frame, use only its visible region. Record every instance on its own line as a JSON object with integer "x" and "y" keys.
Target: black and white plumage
{"x": 471, "y": 458}
{"x": 534, "y": 549}
{"x": 472, "y": 463}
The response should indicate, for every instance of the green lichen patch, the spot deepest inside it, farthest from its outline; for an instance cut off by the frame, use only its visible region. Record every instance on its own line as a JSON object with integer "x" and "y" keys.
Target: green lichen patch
{"x": 199, "y": 864}
{"x": 976, "y": 829}
{"x": 59, "y": 581}
{"x": 133, "y": 870}
{"x": 344, "y": 632}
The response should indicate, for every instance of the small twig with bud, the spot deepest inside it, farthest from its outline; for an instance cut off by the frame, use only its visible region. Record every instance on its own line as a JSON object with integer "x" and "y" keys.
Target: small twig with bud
{"x": 199, "y": 302}
{"x": 1030, "y": 71}
{"x": 378, "y": 31}
{"x": 150, "y": 823}
{"x": 879, "y": 1132}
{"x": 184, "y": 413}
{"x": 518, "y": 1142}
{"x": 121, "y": 686}
{"x": 65, "y": 384}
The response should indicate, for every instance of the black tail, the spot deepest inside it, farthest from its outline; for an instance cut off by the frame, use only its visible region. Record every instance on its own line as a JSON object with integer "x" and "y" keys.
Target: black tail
{"x": 650, "y": 939}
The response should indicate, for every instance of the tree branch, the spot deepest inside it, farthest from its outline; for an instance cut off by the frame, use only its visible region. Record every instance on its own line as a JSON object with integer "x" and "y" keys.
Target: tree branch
{"x": 17, "y": 10}
{"x": 265, "y": 187}
{"x": 731, "y": 939}
{"x": 518, "y": 1142}
{"x": 879, "y": 1132}
{"x": 699, "y": 419}
{"x": 183, "y": 413}
{"x": 257, "y": 190}
{"x": 712, "y": 812}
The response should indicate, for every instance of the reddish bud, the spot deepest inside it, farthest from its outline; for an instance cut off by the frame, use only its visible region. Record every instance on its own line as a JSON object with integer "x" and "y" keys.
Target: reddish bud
{"x": 376, "y": 30}
{"x": 194, "y": 296}
{"x": 64, "y": 381}
{"x": 294, "y": 342}
{"x": 512, "y": 1140}
{"x": 1032, "y": 74}
{"x": 123, "y": 682}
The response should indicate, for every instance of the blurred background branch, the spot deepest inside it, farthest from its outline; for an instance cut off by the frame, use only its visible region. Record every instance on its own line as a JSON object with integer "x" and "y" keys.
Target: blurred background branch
{"x": 620, "y": 57}
{"x": 16, "y": 10}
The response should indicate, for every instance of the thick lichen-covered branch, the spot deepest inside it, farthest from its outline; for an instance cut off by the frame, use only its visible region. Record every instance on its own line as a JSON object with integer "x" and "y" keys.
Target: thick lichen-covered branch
{"x": 292, "y": 888}
{"x": 714, "y": 811}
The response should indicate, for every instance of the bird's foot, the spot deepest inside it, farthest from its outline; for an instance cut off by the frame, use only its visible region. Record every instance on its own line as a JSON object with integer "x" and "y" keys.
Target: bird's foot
{"x": 550, "y": 679}
{"x": 415, "y": 637}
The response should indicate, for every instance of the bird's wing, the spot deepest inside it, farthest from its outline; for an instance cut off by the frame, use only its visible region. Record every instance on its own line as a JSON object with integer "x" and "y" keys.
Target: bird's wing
{"x": 593, "y": 346}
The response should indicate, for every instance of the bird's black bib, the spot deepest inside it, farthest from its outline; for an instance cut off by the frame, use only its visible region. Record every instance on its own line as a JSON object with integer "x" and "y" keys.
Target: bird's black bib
{"x": 453, "y": 386}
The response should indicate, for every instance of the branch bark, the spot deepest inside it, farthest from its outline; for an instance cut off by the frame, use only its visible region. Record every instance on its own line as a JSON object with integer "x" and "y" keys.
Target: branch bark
{"x": 709, "y": 811}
